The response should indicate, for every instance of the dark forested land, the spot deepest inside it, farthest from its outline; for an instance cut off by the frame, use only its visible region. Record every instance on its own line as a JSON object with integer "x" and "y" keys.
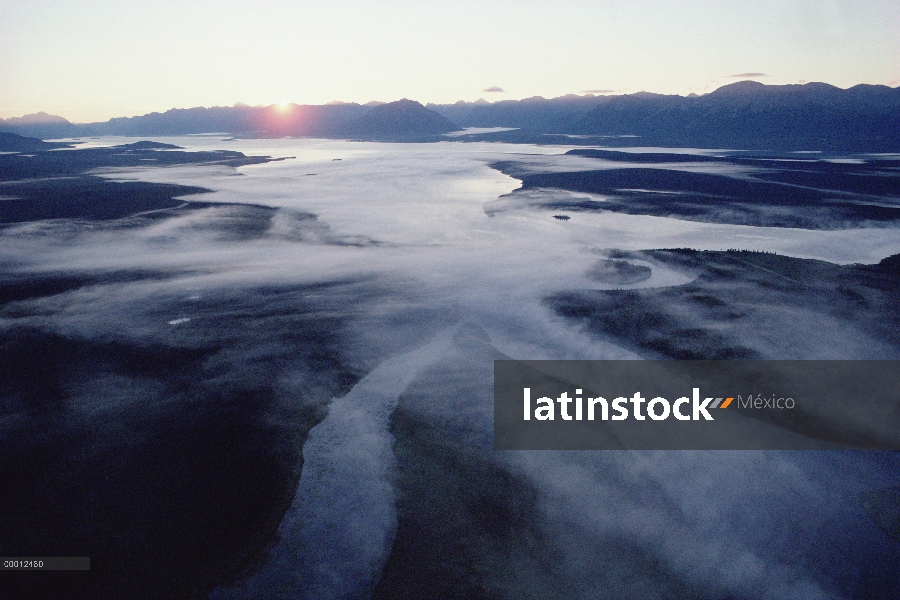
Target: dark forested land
{"x": 53, "y": 181}
{"x": 759, "y": 191}
{"x": 748, "y": 305}
{"x": 168, "y": 450}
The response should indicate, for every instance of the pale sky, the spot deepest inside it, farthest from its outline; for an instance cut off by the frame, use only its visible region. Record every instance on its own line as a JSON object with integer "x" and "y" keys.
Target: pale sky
{"x": 90, "y": 60}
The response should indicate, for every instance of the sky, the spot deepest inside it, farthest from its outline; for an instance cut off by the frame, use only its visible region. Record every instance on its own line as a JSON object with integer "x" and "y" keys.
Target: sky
{"x": 92, "y": 60}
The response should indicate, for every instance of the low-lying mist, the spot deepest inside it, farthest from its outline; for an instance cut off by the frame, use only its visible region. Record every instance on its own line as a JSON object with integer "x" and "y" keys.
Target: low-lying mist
{"x": 292, "y": 381}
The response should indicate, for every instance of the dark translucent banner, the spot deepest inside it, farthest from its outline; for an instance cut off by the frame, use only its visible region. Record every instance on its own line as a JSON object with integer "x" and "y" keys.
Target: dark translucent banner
{"x": 696, "y": 405}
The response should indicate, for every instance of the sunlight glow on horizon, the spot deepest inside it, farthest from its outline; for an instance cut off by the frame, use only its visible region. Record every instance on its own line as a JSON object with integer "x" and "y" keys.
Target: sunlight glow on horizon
{"x": 86, "y": 61}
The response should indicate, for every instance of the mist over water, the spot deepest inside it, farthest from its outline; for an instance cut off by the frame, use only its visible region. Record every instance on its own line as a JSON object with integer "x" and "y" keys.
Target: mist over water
{"x": 427, "y": 264}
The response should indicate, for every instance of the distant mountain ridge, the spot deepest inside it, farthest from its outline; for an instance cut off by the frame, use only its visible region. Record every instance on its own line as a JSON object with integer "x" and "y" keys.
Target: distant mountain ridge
{"x": 34, "y": 118}
{"x": 538, "y": 114}
{"x": 268, "y": 121}
{"x": 40, "y": 125}
{"x": 400, "y": 120}
{"x": 744, "y": 115}
{"x": 403, "y": 120}
{"x": 753, "y": 116}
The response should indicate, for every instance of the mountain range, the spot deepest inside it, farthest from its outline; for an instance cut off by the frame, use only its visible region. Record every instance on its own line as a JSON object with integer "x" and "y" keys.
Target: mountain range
{"x": 403, "y": 120}
{"x": 744, "y": 115}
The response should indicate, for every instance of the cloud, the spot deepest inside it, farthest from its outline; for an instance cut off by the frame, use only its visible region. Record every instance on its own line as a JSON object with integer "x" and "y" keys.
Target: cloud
{"x": 748, "y": 75}
{"x": 597, "y": 91}
{"x": 493, "y": 88}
